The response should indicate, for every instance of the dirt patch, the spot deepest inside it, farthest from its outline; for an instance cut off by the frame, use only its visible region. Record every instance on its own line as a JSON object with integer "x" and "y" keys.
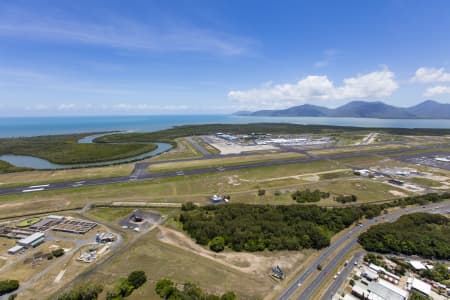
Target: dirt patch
{"x": 233, "y": 180}
{"x": 397, "y": 193}
{"x": 306, "y": 176}
{"x": 255, "y": 263}
{"x": 311, "y": 178}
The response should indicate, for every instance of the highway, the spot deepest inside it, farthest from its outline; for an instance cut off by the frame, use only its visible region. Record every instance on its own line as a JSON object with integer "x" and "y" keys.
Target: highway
{"x": 339, "y": 281}
{"x": 347, "y": 242}
{"x": 140, "y": 172}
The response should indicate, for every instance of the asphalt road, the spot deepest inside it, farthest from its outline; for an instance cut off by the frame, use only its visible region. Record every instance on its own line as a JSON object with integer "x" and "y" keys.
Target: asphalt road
{"x": 140, "y": 171}
{"x": 348, "y": 241}
{"x": 339, "y": 281}
{"x": 199, "y": 147}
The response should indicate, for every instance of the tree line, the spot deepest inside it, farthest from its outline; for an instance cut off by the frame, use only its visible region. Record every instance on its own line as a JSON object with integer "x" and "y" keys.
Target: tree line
{"x": 122, "y": 289}
{"x": 423, "y": 234}
{"x": 309, "y": 196}
{"x": 244, "y": 227}
{"x": 167, "y": 289}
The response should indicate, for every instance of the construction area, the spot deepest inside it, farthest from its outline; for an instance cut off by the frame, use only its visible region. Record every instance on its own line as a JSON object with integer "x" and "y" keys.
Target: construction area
{"x": 139, "y": 220}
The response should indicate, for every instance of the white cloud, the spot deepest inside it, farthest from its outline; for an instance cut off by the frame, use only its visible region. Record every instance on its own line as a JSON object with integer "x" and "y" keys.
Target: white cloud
{"x": 429, "y": 75}
{"x": 120, "y": 107}
{"x": 376, "y": 84}
{"x": 121, "y": 33}
{"x": 437, "y": 90}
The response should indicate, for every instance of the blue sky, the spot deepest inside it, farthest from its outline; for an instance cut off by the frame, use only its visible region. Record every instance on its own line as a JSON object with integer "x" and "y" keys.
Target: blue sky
{"x": 205, "y": 57}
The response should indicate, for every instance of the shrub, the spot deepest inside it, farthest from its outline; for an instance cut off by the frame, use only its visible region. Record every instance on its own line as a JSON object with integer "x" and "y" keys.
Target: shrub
{"x": 229, "y": 296}
{"x": 58, "y": 252}
{"x": 188, "y": 206}
{"x": 165, "y": 288}
{"x": 126, "y": 286}
{"x": 8, "y": 286}
{"x": 309, "y": 196}
{"x": 345, "y": 199}
{"x": 137, "y": 278}
{"x": 217, "y": 244}
{"x": 83, "y": 292}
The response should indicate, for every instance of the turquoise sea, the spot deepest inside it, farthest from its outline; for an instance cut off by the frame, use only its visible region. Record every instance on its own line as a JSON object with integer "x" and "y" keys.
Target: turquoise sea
{"x": 32, "y": 126}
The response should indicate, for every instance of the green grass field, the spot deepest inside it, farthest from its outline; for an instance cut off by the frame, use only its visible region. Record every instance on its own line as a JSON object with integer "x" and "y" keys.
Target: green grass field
{"x": 110, "y": 214}
{"x": 28, "y": 222}
{"x": 217, "y": 162}
{"x": 64, "y": 149}
{"x": 241, "y": 185}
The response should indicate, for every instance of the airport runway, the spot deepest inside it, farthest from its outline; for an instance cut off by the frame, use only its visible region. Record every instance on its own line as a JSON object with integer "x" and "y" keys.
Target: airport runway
{"x": 348, "y": 241}
{"x": 140, "y": 171}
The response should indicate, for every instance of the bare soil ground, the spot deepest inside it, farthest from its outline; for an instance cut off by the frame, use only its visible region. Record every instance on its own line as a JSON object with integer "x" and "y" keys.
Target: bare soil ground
{"x": 256, "y": 263}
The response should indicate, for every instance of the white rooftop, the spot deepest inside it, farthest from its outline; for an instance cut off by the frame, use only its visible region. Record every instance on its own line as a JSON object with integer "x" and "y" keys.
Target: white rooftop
{"x": 387, "y": 291}
{"x": 30, "y": 239}
{"x": 55, "y": 217}
{"x": 15, "y": 249}
{"x": 417, "y": 265}
{"x": 421, "y": 286}
{"x": 393, "y": 288}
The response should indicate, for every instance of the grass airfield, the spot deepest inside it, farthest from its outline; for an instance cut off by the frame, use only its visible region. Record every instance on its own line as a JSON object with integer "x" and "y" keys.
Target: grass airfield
{"x": 166, "y": 252}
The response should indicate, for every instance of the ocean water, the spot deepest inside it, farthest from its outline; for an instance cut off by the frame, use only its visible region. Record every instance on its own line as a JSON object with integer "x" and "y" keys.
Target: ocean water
{"x": 32, "y": 126}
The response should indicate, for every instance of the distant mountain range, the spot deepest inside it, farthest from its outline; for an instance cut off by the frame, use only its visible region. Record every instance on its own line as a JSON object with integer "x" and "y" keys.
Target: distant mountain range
{"x": 428, "y": 109}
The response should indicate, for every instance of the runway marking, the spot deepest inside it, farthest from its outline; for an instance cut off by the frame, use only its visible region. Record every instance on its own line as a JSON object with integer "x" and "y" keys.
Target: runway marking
{"x": 32, "y": 190}
{"x": 39, "y": 186}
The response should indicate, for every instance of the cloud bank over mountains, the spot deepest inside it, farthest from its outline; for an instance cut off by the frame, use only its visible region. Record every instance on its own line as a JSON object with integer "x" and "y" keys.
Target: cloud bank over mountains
{"x": 378, "y": 84}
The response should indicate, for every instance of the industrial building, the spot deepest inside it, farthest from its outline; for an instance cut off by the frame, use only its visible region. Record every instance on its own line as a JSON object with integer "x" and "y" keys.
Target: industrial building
{"x": 105, "y": 237}
{"x": 379, "y": 290}
{"x": 75, "y": 226}
{"x": 33, "y": 240}
{"x": 417, "y": 265}
{"x": 420, "y": 286}
{"x": 16, "y": 249}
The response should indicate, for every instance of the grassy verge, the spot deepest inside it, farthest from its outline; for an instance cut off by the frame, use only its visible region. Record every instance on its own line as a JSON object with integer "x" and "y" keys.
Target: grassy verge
{"x": 183, "y": 150}
{"x": 216, "y": 162}
{"x": 44, "y": 177}
{"x": 211, "y": 149}
{"x": 242, "y": 185}
{"x": 110, "y": 214}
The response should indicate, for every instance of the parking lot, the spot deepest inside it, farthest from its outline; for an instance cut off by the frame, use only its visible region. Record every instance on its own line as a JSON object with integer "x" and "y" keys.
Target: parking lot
{"x": 436, "y": 160}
